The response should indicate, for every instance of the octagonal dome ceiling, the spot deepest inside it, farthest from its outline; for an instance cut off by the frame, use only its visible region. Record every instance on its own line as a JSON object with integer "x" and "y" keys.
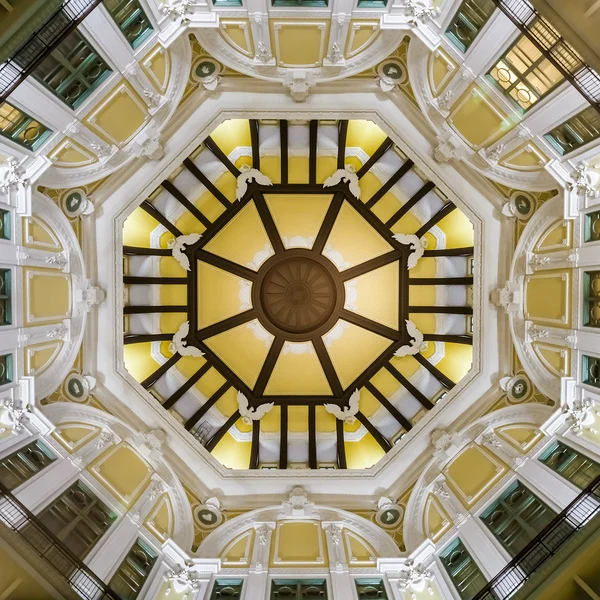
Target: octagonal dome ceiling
{"x": 298, "y": 294}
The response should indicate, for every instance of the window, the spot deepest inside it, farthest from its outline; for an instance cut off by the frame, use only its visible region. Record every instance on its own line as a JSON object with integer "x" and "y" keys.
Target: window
{"x": 517, "y": 517}
{"x": 133, "y": 571}
{"x": 591, "y": 294}
{"x": 230, "y": 589}
{"x": 370, "y": 588}
{"x": 590, "y": 370}
{"x": 22, "y": 465}
{"x": 462, "y": 569}
{"x": 22, "y": 129}
{"x": 579, "y": 130}
{"x": 312, "y": 3}
{"x": 5, "y": 300}
{"x": 5, "y": 232}
{"x": 469, "y": 20}
{"x": 77, "y": 518}
{"x": 372, "y": 3}
{"x": 524, "y": 73}
{"x": 6, "y": 369}
{"x": 131, "y": 20}
{"x": 570, "y": 464}
{"x": 303, "y": 589}
{"x": 72, "y": 70}
{"x": 592, "y": 227}
{"x": 227, "y": 2}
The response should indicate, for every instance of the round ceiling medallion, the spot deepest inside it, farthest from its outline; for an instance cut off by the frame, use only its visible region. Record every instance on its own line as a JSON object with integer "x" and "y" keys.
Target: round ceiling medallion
{"x": 298, "y": 295}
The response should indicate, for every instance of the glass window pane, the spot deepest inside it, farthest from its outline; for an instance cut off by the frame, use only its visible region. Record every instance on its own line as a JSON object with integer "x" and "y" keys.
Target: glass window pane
{"x": 579, "y": 130}
{"x": 22, "y": 465}
{"x": 312, "y": 3}
{"x": 370, "y": 588}
{"x": 570, "y": 464}
{"x": 230, "y": 589}
{"x": 133, "y": 571}
{"x": 6, "y": 369}
{"x": 592, "y": 227}
{"x": 131, "y": 20}
{"x": 468, "y": 21}
{"x": 591, "y": 302}
{"x": 5, "y": 296}
{"x": 591, "y": 371}
{"x": 22, "y": 129}
{"x": 463, "y": 570}
{"x": 73, "y": 70}
{"x": 5, "y": 221}
{"x": 299, "y": 589}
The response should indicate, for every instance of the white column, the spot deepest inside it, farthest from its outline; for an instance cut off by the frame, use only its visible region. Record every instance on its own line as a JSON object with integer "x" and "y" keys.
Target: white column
{"x": 257, "y": 585}
{"x": 341, "y": 582}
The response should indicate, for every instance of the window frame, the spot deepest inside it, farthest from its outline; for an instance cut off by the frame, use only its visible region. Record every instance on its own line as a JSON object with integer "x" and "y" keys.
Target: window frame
{"x": 46, "y": 450}
{"x": 555, "y": 145}
{"x": 453, "y": 39}
{"x": 28, "y": 119}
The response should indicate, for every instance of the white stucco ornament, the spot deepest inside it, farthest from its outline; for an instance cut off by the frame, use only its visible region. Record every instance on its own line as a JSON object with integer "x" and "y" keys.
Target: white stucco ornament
{"x": 347, "y": 413}
{"x": 184, "y": 577}
{"x": 417, "y": 246}
{"x": 178, "y": 248}
{"x": 12, "y": 177}
{"x": 247, "y": 175}
{"x": 347, "y": 175}
{"x": 251, "y": 414}
{"x": 417, "y": 343}
{"x": 419, "y": 13}
{"x": 414, "y": 576}
{"x": 177, "y": 9}
{"x": 179, "y": 344}
{"x": 15, "y": 414}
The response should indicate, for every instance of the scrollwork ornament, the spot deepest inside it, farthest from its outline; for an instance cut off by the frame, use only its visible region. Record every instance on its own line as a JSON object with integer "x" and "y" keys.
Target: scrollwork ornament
{"x": 178, "y": 9}
{"x": 18, "y": 413}
{"x": 13, "y": 177}
{"x": 183, "y": 577}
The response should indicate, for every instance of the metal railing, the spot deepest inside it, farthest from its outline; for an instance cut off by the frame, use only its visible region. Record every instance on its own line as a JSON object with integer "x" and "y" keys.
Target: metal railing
{"x": 41, "y": 43}
{"x": 41, "y": 540}
{"x": 554, "y": 47}
{"x": 543, "y": 547}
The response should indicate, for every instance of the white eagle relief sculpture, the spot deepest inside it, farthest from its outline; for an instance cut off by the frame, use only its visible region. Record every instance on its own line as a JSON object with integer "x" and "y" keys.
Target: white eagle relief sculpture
{"x": 179, "y": 344}
{"x": 348, "y": 175}
{"x": 348, "y": 412}
{"x": 416, "y": 345}
{"x": 178, "y": 246}
{"x": 417, "y": 245}
{"x": 251, "y": 414}
{"x": 247, "y": 175}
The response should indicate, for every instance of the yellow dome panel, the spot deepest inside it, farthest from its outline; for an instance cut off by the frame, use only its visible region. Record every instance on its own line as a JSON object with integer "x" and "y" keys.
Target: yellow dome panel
{"x": 298, "y": 217}
{"x": 375, "y": 294}
{"x": 220, "y": 295}
{"x": 298, "y": 372}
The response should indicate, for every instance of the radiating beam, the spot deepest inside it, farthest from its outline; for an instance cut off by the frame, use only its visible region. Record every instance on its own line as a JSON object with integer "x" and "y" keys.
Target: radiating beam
{"x": 154, "y": 377}
{"x": 206, "y": 182}
{"x": 371, "y": 265}
{"x": 369, "y": 324}
{"x": 142, "y": 338}
{"x": 402, "y": 420}
{"x": 163, "y": 308}
{"x": 255, "y": 447}
{"x": 412, "y": 390}
{"x": 269, "y": 224}
{"x": 385, "y": 444}
{"x": 210, "y": 402}
{"x": 225, "y": 264}
{"x": 133, "y": 280}
{"x": 390, "y": 183}
{"x": 312, "y": 151}
{"x": 340, "y": 445}
{"x": 342, "y": 137}
{"x": 212, "y": 146}
{"x": 423, "y": 191}
{"x": 227, "y": 324}
{"x": 172, "y": 399}
{"x": 183, "y": 200}
{"x": 440, "y": 281}
{"x": 443, "y": 379}
{"x": 158, "y": 216}
{"x": 268, "y": 366}
{"x": 328, "y": 368}
{"x": 215, "y": 439}
{"x": 137, "y": 251}
{"x": 283, "y": 142}
{"x": 443, "y": 212}
{"x": 467, "y": 251}
{"x": 283, "y": 437}
{"x": 312, "y": 436}
{"x": 383, "y": 148}
{"x": 453, "y": 339}
{"x": 442, "y": 310}
{"x": 255, "y": 141}
{"x": 328, "y": 223}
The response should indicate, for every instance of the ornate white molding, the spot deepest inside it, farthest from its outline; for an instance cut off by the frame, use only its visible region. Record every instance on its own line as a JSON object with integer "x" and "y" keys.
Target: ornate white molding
{"x": 179, "y": 246}
{"x": 416, "y": 344}
{"x": 347, "y": 175}
{"x": 348, "y": 413}
{"x": 252, "y": 414}
{"x": 180, "y": 345}
{"x": 248, "y": 175}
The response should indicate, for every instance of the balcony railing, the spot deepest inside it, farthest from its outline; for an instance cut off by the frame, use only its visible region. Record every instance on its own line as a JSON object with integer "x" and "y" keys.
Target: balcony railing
{"x": 42, "y": 542}
{"x": 42, "y": 42}
{"x": 554, "y": 47}
{"x": 571, "y": 520}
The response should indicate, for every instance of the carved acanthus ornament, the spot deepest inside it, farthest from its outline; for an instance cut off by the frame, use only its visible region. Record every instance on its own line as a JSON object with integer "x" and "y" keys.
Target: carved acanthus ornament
{"x": 584, "y": 182}
{"x": 414, "y": 576}
{"x": 18, "y": 413}
{"x": 439, "y": 490}
{"x": 13, "y": 176}
{"x": 184, "y": 577}
{"x": 494, "y": 153}
{"x": 299, "y": 84}
{"x": 508, "y": 297}
{"x": 418, "y": 13}
{"x": 106, "y": 439}
{"x": 178, "y": 9}
{"x": 581, "y": 415}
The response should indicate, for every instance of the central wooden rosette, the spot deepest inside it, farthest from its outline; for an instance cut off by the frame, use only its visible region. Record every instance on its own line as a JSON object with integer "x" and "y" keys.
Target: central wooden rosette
{"x": 298, "y": 294}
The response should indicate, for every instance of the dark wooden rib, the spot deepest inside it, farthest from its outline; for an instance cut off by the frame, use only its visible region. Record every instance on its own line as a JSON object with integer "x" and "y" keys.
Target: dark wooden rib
{"x": 212, "y": 146}
{"x": 283, "y": 131}
{"x": 390, "y": 183}
{"x": 340, "y": 446}
{"x": 268, "y": 366}
{"x": 413, "y": 391}
{"x": 342, "y": 136}
{"x": 154, "y": 377}
{"x": 182, "y": 199}
{"x": 131, "y": 280}
{"x": 164, "y": 308}
{"x": 137, "y": 251}
{"x": 443, "y": 379}
{"x": 371, "y": 265}
{"x": 440, "y": 281}
{"x": 206, "y": 182}
{"x": 427, "y": 187}
{"x": 269, "y": 224}
{"x": 254, "y": 450}
{"x": 467, "y": 251}
{"x": 156, "y": 214}
{"x": 442, "y": 310}
{"x": 215, "y": 439}
{"x": 225, "y": 264}
{"x": 328, "y": 223}
{"x": 210, "y": 402}
{"x": 226, "y": 324}
{"x": 141, "y": 338}
{"x": 283, "y": 437}
{"x": 383, "y": 148}
{"x": 379, "y": 437}
{"x": 444, "y": 211}
{"x": 312, "y": 436}
{"x": 171, "y": 400}
{"x": 454, "y": 339}
{"x": 402, "y": 420}
{"x": 312, "y": 151}
{"x": 255, "y": 141}
{"x": 369, "y": 325}
{"x": 328, "y": 368}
